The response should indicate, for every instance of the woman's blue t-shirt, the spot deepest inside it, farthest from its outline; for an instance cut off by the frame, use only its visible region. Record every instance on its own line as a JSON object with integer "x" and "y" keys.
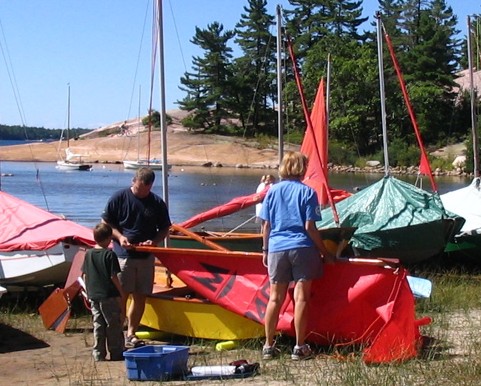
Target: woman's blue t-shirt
{"x": 287, "y": 206}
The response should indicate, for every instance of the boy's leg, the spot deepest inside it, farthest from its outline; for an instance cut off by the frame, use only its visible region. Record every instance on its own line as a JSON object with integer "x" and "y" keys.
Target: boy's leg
{"x": 111, "y": 312}
{"x": 99, "y": 350}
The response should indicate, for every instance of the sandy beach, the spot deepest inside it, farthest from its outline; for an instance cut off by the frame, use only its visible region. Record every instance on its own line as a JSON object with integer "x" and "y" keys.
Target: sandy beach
{"x": 184, "y": 148}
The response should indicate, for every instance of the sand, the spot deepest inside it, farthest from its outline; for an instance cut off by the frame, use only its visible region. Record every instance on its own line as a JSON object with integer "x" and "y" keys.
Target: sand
{"x": 184, "y": 149}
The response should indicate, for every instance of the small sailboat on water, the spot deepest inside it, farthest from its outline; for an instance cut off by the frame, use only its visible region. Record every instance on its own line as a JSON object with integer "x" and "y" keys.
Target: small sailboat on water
{"x": 71, "y": 161}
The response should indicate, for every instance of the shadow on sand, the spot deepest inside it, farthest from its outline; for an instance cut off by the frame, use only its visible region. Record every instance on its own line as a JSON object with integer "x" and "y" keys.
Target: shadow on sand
{"x": 12, "y": 339}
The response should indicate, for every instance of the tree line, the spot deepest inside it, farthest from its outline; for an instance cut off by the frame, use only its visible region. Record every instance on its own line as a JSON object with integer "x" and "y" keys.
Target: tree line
{"x": 238, "y": 95}
{"x": 23, "y": 133}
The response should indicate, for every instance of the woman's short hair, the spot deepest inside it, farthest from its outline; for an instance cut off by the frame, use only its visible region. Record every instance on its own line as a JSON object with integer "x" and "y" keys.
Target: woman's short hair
{"x": 293, "y": 166}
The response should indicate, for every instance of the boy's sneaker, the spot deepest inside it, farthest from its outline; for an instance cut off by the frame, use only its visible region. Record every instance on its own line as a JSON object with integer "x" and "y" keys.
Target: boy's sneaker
{"x": 269, "y": 352}
{"x": 301, "y": 353}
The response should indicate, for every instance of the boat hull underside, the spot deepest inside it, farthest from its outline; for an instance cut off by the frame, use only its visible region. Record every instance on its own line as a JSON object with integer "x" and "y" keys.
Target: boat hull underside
{"x": 37, "y": 268}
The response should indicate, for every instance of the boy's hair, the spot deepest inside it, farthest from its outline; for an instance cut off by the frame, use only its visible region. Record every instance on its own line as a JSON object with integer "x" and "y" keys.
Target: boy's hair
{"x": 145, "y": 175}
{"x": 102, "y": 232}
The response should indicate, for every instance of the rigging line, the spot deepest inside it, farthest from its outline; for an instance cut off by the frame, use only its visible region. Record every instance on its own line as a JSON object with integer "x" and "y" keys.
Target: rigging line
{"x": 152, "y": 75}
{"x": 136, "y": 72}
{"x": 256, "y": 89}
{"x": 11, "y": 74}
{"x": 139, "y": 55}
{"x": 13, "y": 82}
{"x": 177, "y": 35}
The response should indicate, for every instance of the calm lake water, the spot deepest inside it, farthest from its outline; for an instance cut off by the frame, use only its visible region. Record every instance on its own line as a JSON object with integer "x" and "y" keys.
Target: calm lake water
{"x": 81, "y": 196}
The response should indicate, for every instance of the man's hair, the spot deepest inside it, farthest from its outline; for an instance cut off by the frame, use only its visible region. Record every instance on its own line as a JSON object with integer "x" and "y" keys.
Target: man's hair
{"x": 293, "y": 166}
{"x": 102, "y": 232}
{"x": 145, "y": 175}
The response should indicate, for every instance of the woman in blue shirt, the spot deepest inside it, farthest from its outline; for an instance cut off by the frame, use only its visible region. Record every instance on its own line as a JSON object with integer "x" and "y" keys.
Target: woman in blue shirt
{"x": 293, "y": 249}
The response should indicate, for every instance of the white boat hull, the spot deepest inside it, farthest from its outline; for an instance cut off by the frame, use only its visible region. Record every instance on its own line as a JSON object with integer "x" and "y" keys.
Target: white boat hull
{"x": 155, "y": 165}
{"x": 65, "y": 165}
{"x": 37, "y": 268}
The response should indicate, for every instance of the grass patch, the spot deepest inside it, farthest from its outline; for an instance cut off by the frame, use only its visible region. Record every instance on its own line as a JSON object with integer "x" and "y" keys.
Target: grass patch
{"x": 451, "y": 354}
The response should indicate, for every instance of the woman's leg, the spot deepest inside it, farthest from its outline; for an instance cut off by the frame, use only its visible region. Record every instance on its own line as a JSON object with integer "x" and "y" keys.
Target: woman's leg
{"x": 276, "y": 298}
{"x": 302, "y": 294}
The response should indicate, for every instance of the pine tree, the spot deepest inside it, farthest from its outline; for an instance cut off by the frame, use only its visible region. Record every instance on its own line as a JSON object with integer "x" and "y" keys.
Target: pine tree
{"x": 209, "y": 87}
{"x": 255, "y": 70}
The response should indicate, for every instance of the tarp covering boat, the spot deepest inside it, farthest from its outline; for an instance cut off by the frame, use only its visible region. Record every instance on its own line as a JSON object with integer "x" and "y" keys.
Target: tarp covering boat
{"x": 466, "y": 202}
{"x": 26, "y": 227}
{"x": 395, "y": 219}
{"x": 364, "y": 305}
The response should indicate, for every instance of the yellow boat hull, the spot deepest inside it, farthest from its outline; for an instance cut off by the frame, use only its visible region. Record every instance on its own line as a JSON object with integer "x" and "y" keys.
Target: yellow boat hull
{"x": 176, "y": 310}
{"x": 197, "y": 319}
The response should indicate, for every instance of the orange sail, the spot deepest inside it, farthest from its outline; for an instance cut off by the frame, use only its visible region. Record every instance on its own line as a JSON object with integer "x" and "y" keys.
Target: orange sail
{"x": 352, "y": 304}
{"x": 315, "y": 145}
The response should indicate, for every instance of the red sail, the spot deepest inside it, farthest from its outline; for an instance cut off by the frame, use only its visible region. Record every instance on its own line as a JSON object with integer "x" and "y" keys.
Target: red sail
{"x": 232, "y": 206}
{"x": 315, "y": 146}
{"x": 363, "y": 305}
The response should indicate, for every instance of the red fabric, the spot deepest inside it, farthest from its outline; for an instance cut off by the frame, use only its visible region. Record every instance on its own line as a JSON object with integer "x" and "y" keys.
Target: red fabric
{"x": 314, "y": 146}
{"x": 351, "y": 304}
{"x": 232, "y": 206}
{"x": 26, "y": 227}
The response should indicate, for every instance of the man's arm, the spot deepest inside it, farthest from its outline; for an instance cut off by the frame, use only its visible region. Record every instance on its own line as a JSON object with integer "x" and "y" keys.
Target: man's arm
{"x": 117, "y": 235}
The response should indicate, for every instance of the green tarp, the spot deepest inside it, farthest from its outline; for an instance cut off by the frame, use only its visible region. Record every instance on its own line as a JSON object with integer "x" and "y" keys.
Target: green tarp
{"x": 395, "y": 219}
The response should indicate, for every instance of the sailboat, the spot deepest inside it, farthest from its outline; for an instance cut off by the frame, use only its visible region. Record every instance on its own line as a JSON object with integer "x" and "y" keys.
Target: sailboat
{"x": 72, "y": 161}
{"x": 369, "y": 304}
{"x": 152, "y": 163}
{"x": 393, "y": 218}
{"x": 466, "y": 202}
{"x": 37, "y": 247}
{"x": 172, "y": 307}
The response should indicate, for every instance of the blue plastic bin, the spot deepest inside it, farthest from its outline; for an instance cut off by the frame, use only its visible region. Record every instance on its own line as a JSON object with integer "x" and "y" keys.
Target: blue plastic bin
{"x": 156, "y": 362}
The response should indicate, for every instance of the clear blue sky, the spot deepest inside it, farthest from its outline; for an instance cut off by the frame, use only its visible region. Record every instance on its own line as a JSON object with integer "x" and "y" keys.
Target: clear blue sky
{"x": 94, "y": 45}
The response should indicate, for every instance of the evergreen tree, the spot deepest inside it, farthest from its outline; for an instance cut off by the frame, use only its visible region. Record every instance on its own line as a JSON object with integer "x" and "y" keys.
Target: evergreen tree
{"x": 429, "y": 65}
{"x": 255, "y": 71}
{"x": 209, "y": 87}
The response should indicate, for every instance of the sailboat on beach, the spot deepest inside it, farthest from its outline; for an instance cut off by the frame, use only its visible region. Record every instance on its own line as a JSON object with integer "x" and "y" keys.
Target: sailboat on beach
{"x": 72, "y": 161}
{"x": 393, "y": 217}
{"x": 466, "y": 201}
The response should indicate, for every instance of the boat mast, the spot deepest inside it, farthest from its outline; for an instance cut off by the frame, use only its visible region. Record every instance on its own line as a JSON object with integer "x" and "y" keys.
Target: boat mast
{"x": 163, "y": 125}
{"x": 474, "y": 128}
{"x": 139, "y": 125}
{"x": 280, "y": 123}
{"x": 68, "y": 117}
{"x": 382, "y": 93}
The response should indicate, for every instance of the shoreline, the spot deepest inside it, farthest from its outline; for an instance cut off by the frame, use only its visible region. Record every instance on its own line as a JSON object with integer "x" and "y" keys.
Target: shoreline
{"x": 190, "y": 149}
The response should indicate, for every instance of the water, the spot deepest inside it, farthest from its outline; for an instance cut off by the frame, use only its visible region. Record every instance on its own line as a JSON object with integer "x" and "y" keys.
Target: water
{"x": 81, "y": 196}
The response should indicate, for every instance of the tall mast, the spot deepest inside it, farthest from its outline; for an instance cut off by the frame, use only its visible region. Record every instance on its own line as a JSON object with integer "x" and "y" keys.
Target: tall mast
{"x": 163, "y": 125}
{"x": 474, "y": 128}
{"x": 382, "y": 93}
{"x": 68, "y": 117}
{"x": 280, "y": 123}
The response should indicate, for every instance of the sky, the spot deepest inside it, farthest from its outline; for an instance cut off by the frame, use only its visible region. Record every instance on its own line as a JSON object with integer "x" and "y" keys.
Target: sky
{"x": 100, "y": 50}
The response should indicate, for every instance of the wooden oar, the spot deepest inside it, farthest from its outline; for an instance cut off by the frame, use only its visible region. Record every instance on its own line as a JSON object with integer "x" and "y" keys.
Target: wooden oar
{"x": 198, "y": 238}
{"x": 379, "y": 261}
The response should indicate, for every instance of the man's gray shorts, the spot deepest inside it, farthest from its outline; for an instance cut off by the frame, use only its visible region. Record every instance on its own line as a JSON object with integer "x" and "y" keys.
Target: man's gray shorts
{"x": 137, "y": 275}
